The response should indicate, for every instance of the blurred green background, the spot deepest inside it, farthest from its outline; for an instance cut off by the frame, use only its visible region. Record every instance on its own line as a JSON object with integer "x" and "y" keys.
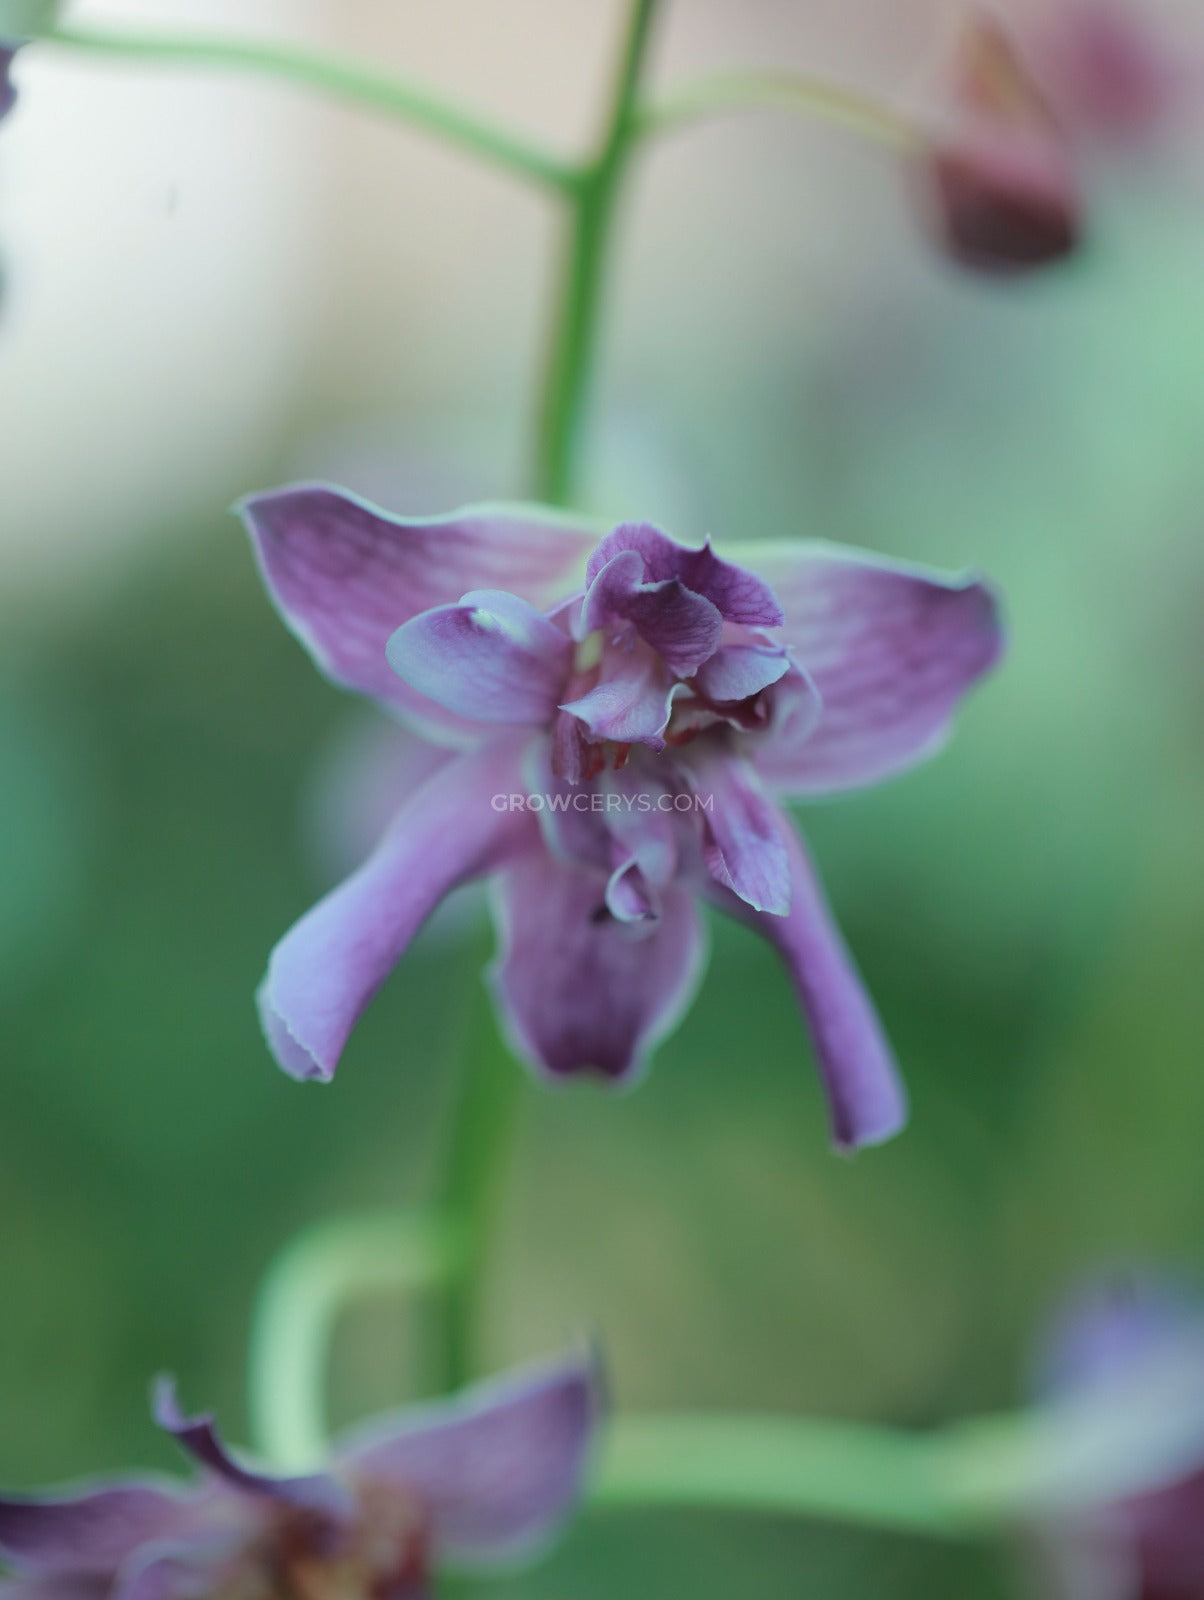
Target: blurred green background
{"x": 278, "y": 289}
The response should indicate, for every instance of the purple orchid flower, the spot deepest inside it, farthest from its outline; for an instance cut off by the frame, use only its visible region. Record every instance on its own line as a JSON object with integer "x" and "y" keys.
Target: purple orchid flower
{"x": 472, "y": 1481}
{"x": 621, "y": 712}
{"x": 1149, "y": 1546}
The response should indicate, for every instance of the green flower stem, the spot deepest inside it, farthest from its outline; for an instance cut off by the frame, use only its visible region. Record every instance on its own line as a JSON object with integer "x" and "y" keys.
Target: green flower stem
{"x": 771, "y": 91}
{"x": 968, "y": 1480}
{"x": 300, "y": 1299}
{"x": 470, "y": 1194}
{"x": 574, "y": 341}
{"x": 344, "y": 79}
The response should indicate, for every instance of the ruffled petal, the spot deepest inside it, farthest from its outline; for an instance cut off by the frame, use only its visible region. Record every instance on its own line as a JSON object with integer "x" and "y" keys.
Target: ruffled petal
{"x": 739, "y": 595}
{"x": 866, "y": 1099}
{"x": 198, "y": 1435}
{"x": 495, "y": 1470}
{"x": 683, "y": 628}
{"x": 492, "y": 658}
{"x": 891, "y": 650}
{"x": 92, "y": 1531}
{"x": 327, "y": 968}
{"x": 744, "y": 844}
{"x": 582, "y": 991}
{"x": 345, "y": 576}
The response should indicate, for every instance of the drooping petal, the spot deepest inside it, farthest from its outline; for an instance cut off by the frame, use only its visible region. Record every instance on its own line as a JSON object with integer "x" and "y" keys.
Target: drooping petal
{"x": 198, "y": 1435}
{"x": 327, "y": 968}
{"x": 345, "y": 575}
{"x": 584, "y": 992}
{"x": 739, "y": 595}
{"x": 891, "y": 649}
{"x": 495, "y": 1470}
{"x": 683, "y": 628}
{"x": 92, "y": 1531}
{"x": 632, "y": 700}
{"x": 491, "y": 658}
{"x": 866, "y": 1100}
{"x": 744, "y": 832}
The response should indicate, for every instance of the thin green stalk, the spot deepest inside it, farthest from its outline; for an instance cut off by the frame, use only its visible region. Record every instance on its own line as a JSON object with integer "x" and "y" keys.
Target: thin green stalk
{"x": 345, "y": 79}
{"x": 773, "y": 91}
{"x": 470, "y": 1193}
{"x": 305, "y": 1290}
{"x": 575, "y": 326}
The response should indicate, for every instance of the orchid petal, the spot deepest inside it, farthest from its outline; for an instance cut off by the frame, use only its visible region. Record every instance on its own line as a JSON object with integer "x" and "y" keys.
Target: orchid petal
{"x": 891, "y": 650}
{"x": 199, "y": 1437}
{"x": 496, "y": 1469}
{"x": 345, "y": 575}
{"x": 745, "y": 844}
{"x": 740, "y": 596}
{"x": 92, "y": 1531}
{"x": 583, "y": 991}
{"x": 866, "y": 1099}
{"x": 739, "y": 671}
{"x": 632, "y": 701}
{"x": 327, "y": 968}
{"x": 492, "y": 658}
{"x": 682, "y": 627}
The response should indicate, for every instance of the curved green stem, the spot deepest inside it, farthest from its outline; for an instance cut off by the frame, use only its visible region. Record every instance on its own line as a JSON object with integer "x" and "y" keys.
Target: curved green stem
{"x": 575, "y": 325}
{"x": 344, "y": 79}
{"x": 773, "y": 91}
{"x": 301, "y": 1297}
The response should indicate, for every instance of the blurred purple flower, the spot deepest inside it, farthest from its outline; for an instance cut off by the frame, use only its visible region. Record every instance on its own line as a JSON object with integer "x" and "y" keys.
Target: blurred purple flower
{"x": 8, "y": 94}
{"x": 1150, "y": 1546}
{"x": 1001, "y": 178}
{"x": 1111, "y": 70}
{"x": 475, "y": 1480}
{"x": 620, "y": 713}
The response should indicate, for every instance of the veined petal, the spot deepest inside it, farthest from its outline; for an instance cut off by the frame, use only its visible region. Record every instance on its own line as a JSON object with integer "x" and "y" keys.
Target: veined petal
{"x": 744, "y": 832}
{"x": 866, "y": 1100}
{"x": 327, "y": 968}
{"x": 683, "y": 628}
{"x": 495, "y": 1469}
{"x": 200, "y": 1438}
{"x": 891, "y": 650}
{"x": 492, "y": 658}
{"x": 345, "y": 575}
{"x": 582, "y": 991}
{"x": 91, "y": 1531}
{"x": 739, "y": 595}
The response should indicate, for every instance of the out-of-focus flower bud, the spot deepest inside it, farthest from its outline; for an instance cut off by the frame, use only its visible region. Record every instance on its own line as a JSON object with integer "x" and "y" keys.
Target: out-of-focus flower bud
{"x": 1002, "y": 184}
{"x": 1113, "y": 73}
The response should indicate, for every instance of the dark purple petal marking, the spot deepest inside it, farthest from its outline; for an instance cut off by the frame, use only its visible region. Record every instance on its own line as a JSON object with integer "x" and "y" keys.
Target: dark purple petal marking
{"x": 199, "y": 1437}
{"x": 866, "y": 1100}
{"x": 497, "y": 1469}
{"x": 345, "y": 576}
{"x": 492, "y": 658}
{"x": 744, "y": 846}
{"x": 93, "y": 1531}
{"x": 891, "y": 650}
{"x": 740, "y": 596}
{"x": 584, "y": 992}
{"x": 682, "y": 627}
{"x": 327, "y": 968}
